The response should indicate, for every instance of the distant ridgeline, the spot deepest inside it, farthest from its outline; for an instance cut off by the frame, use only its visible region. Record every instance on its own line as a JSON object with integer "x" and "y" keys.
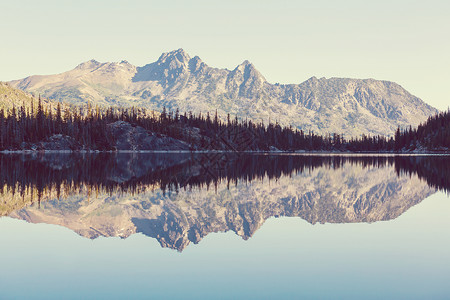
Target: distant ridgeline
{"x": 135, "y": 129}
{"x": 57, "y": 175}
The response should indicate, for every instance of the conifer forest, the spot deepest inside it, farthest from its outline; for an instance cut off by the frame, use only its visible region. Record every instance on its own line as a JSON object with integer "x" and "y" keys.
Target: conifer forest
{"x": 23, "y": 127}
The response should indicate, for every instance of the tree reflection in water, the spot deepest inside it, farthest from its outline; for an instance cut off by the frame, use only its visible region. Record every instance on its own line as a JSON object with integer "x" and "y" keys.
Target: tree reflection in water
{"x": 132, "y": 172}
{"x": 179, "y": 198}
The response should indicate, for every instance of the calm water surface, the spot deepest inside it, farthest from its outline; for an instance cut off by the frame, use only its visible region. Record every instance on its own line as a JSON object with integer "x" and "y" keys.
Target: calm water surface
{"x": 184, "y": 226}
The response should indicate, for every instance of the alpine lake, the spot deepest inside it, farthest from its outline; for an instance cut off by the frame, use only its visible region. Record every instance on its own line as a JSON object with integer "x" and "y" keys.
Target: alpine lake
{"x": 219, "y": 225}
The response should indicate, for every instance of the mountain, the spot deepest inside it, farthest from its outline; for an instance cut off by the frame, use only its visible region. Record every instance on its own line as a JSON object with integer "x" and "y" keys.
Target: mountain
{"x": 11, "y": 97}
{"x": 175, "y": 80}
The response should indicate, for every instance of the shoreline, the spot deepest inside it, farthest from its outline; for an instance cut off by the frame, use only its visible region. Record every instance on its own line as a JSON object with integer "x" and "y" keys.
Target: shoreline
{"x": 301, "y": 152}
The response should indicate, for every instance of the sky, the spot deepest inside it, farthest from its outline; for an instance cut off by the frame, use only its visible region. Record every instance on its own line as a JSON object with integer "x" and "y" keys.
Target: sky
{"x": 407, "y": 42}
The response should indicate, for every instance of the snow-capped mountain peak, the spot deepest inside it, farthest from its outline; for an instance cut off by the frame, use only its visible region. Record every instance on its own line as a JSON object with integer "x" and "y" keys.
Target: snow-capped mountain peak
{"x": 175, "y": 80}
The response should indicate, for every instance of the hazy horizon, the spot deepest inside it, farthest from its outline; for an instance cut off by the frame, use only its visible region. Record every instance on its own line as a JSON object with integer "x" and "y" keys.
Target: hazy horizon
{"x": 400, "y": 41}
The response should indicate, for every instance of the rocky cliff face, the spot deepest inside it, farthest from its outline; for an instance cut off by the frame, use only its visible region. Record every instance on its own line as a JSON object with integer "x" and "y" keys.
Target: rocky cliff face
{"x": 122, "y": 137}
{"x": 348, "y": 194}
{"x": 128, "y": 137}
{"x": 175, "y": 80}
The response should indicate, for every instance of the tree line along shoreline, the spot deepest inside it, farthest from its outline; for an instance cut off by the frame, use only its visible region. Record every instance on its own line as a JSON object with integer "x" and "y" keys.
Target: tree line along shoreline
{"x": 89, "y": 129}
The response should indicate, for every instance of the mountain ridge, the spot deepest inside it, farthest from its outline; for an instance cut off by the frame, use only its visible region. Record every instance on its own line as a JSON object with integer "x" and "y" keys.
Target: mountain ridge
{"x": 177, "y": 81}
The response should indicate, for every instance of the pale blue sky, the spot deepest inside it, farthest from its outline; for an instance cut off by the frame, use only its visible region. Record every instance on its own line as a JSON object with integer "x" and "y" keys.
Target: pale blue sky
{"x": 288, "y": 41}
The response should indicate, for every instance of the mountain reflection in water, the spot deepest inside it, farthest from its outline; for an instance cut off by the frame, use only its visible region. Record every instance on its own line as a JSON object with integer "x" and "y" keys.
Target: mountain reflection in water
{"x": 180, "y": 198}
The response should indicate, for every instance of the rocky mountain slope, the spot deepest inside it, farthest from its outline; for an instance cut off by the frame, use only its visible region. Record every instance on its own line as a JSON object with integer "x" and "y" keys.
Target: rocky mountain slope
{"x": 11, "y": 97}
{"x": 175, "y": 80}
{"x": 346, "y": 194}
